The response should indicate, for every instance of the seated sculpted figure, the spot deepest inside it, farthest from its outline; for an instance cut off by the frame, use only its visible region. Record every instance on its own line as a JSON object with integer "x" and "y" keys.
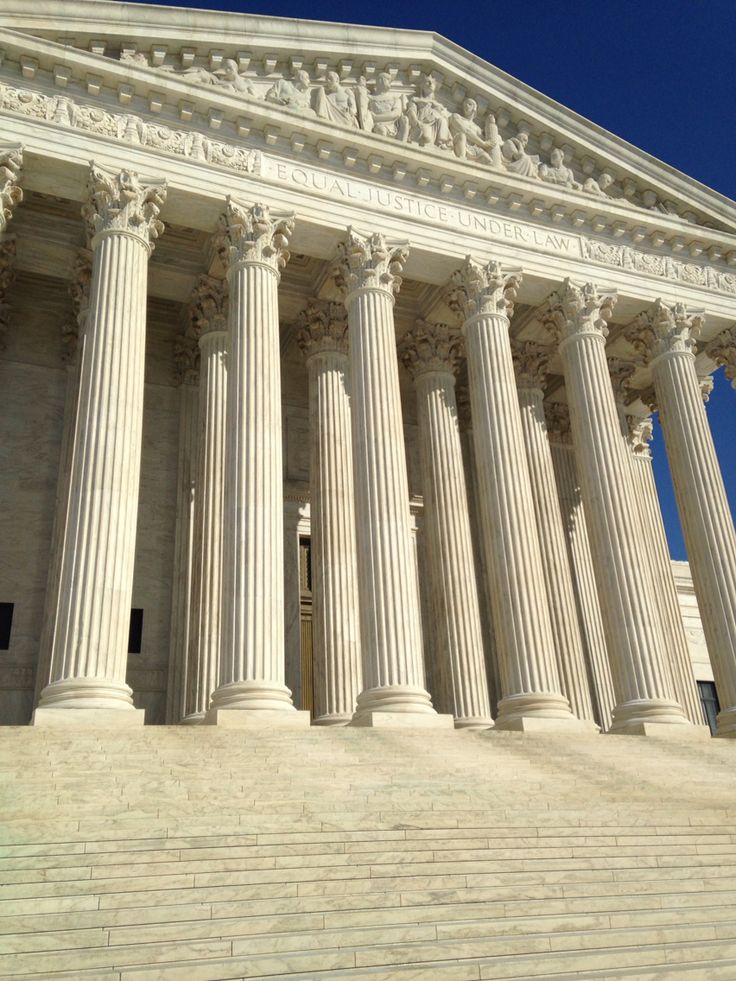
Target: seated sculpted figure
{"x": 467, "y": 136}
{"x": 295, "y": 95}
{"x": 383, "y": 111}
{"x": 336, "y": 102}
{"x": 598, "y": 187}
{"x": 517, "y": 160}
{"x": 229, "y": 78}
{"x": 556, "y": 172}
{"x": 428, "y": 117}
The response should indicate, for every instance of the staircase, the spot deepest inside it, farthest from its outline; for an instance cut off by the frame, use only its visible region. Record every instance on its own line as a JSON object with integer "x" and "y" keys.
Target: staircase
{"x": 200, "y": 853}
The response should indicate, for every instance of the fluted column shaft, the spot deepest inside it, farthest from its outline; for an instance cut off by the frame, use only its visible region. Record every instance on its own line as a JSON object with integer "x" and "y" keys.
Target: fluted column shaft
{"x": 583, "y": 576}
{"x": 454, "y": 595}
{"x": 633, "y": 634}
{"x": 705, "y": 516}
{"x": 183, "y": 553}
{"x": 568, "y": 644}
{"x": 90, "y": 644}
{"x": 389, "y": 605}
{"x": 335, "y": 607}
{"x": 665, "y": 591}
{"x": 205, "y": 633}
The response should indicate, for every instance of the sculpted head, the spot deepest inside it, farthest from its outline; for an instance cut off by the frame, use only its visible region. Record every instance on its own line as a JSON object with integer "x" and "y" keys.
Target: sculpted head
{"x": 230, "y": 69}
{"x": 383, "y": 82}
{"x": 648, "y": 199}
{"x": 523, "y": 138}
{"x": 301, "y": 80}
{"x": 605, "y": 181}
{"x": 427, "y": 85}
{"x": 332, "y": 82}
{"x": 557, "y": 157}
{"x": 470, "y": 107}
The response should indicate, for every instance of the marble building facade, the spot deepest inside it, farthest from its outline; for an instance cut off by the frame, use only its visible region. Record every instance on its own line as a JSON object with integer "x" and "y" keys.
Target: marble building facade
{"x": 328, "y": 364}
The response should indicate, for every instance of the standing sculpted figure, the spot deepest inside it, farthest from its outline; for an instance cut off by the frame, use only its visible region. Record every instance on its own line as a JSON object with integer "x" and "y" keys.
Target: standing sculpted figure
{"x": 336, "y": 102}
{"x": 493, "y": 140}
{"x": 556, "y": 171}
{"x": 428, "y": 117}
{"x": 467, "y": 136}
{"x": 295, "y": 95}
{"x": 383, "y": 111}
{"x": 518, "y": 161}
{"x": 229, "y": 78}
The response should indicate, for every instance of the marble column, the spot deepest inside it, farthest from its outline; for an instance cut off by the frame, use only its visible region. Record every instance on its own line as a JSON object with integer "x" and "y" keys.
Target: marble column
{"x": 667, "y": 337}
{"x": 209, "y": 325}
{"x": 253, "y": 244}
{"x": 90, "y": 643}
{"x": 636, "y": 433}
{"x": 186, "y": 357}
{"x": 72, "y": 333}
{"x": 431, "y": 354}
{"x": 11, "y": 195}
{"x": 644, "y": 698}
{"x": 722, "y": 349}
{"x": 323, "y": 340}
{"x": 581, "y": 563}
{"x": 530, "y": 362}
{"x": 369, "y": 271}
{"x": 531, "y": 687}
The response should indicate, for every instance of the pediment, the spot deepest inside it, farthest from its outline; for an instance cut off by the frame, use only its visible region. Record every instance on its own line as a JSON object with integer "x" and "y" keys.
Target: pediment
{"x": 385, "y": 103}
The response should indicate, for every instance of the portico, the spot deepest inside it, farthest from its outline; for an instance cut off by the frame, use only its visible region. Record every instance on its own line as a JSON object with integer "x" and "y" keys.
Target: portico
{"x": 324, "y": 278}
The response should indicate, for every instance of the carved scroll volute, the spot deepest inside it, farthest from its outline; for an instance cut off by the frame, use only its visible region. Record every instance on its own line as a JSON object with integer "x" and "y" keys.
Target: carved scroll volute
{"x": 479, "y": 288}
{"x": 122, "y": 202}
{"x": 369, "y": 262}
{"x": 11, "y": 193}
{"x": 253, "y": 233}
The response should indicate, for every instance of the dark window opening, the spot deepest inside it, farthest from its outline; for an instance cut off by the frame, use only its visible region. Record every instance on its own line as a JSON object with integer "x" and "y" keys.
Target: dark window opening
{"x": 135, "y": 637}
{"x": 6, "y": 622}
{"x": 709, "y": 703}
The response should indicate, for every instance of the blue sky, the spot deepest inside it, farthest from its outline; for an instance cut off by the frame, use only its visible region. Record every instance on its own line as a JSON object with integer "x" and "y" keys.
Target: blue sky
{"x": 659, "y": 73}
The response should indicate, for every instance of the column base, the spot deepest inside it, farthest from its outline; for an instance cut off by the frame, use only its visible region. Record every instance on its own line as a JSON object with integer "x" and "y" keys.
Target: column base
{"x": 726, "y": 723}
{"x": 476, "y": 722}
{"x": 402, "y": 720}
{"x": 661, "y": 730}
{"x": 254, "y": 696}
{"x": 540, "y": 712}
{"x": 338, "y": 719}
{"x": 90, "y": 718}
{"x": 194, "y": 719}
{"x": 649, "y": 717}
{"x": 87, "y": 694}
{"x": 234, "y": 718}
{"x": 394, "y": 699}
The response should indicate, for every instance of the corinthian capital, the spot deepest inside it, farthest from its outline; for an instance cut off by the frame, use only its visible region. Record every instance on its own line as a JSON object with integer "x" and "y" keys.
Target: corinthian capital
{"x": 663, "y": 330}
{"x": 79, "y": 290}
{"x": 254, "y": 234}
{"x": 640, "y": 434}
{"x": 557, "y": 418}
{"x": 431, "y": 347}
{"x": 121, "y": 202}
{"x": 370, "y": 262}
{"x": 531, "y": 362}
{"x": 208, "y": 306}
{"x": 322, "y": 326}
{"x": 186, "y": 359}
{"x": 489, "y": 289}
{"x": 722, "y": 350}
{"x": 621, "y": 372}
{"x": 11, "y": 193}
{"x": 574, "y": 311}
